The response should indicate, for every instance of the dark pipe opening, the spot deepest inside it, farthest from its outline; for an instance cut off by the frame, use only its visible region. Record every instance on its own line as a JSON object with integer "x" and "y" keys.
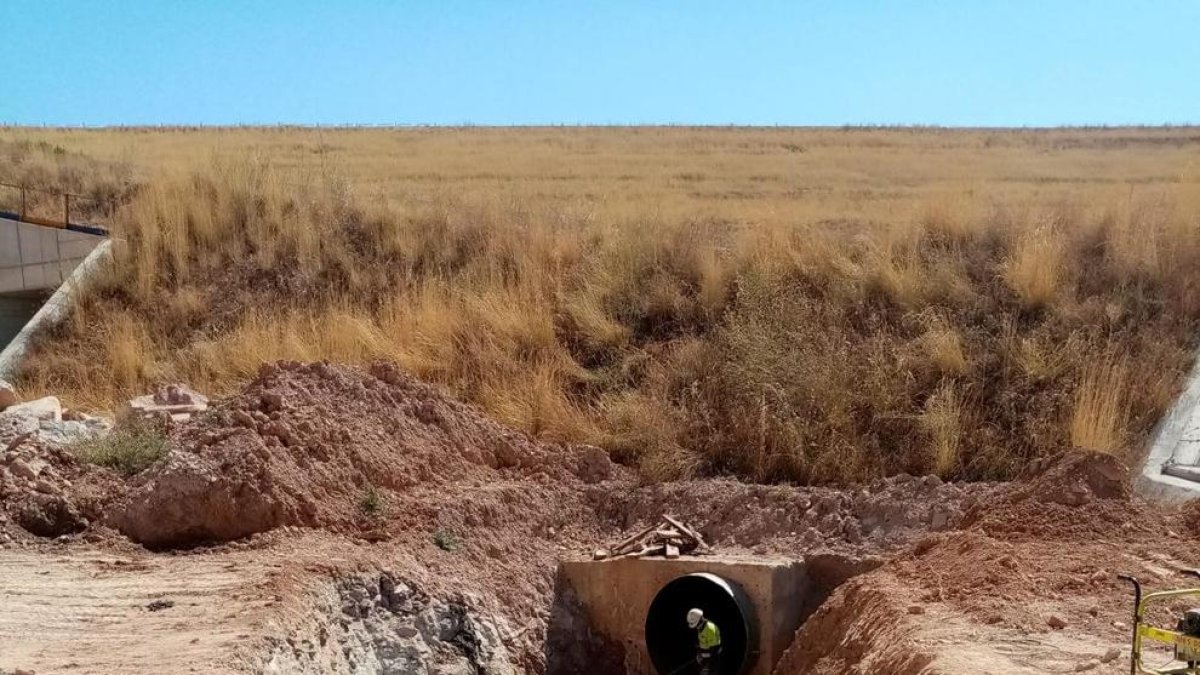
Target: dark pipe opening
{"x": 672, "y": 645}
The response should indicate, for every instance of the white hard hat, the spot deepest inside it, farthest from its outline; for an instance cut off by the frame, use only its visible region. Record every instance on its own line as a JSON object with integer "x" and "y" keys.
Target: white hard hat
{"x": 694, "y": 617}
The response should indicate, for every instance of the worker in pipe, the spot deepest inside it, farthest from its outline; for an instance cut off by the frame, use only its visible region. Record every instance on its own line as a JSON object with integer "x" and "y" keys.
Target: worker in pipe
{"x": 708, "y": 642}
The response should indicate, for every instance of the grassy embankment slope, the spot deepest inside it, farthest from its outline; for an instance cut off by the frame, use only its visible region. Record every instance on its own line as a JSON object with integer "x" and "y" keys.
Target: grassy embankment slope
{"x": 808, "y": 305}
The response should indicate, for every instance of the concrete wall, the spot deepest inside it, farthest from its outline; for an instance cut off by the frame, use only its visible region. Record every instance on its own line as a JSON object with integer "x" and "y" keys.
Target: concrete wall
{"x": 617, "y": 595}
{"x": 52, "y": 311}
{"x": 1175, "y": 450}
{"x": 36, "y": 258}
{"x": 15, "y": 312}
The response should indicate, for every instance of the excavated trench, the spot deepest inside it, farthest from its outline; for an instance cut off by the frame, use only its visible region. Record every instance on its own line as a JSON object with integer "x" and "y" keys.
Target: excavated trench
{"x": 607, "y": 618}
{"x": 628, "y": 616}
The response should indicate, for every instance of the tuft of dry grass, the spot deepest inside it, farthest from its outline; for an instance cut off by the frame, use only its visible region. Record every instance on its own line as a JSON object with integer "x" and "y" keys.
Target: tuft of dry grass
{"x": 942, "y": 422}
{"x": 1099, "y": 419}
{"x": 1035, "y": 267}
{"x": 695, "y": 301}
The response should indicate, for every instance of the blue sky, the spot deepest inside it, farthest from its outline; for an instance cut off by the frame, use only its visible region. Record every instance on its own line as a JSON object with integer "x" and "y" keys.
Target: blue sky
{"x": 968, "y": 63}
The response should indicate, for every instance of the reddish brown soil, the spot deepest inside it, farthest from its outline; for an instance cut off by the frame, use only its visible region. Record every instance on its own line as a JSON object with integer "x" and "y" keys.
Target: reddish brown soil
{"x": 464, "y": 503}
{"x": 309, "y": 444}
{"x": 1038, "y": 561}
{"x": 468, "y": 508}
{"x": 46, "y": 491}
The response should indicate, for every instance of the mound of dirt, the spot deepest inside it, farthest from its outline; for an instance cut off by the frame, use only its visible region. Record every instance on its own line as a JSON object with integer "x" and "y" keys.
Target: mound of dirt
{"x": 1075, "y": 495}
{"x": 1027, "y": 585}
{"x": 1075, "y": 478}
{"x": 863, "y": 628}
{"x": 45, "y": 491}
{"x": 318, "y": 445}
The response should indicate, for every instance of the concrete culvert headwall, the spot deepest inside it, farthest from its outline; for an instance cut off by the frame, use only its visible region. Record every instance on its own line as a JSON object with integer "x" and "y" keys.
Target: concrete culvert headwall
{"x": 629, "y": 614}
{"x": 671, "y": 643}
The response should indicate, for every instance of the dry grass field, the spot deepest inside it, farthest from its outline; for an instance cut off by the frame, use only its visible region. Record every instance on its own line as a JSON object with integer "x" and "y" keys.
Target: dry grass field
{"x": 782, "y": 304}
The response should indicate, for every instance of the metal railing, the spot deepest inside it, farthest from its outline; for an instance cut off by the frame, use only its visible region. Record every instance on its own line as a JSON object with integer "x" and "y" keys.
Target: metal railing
{"x": 25, "y": 214}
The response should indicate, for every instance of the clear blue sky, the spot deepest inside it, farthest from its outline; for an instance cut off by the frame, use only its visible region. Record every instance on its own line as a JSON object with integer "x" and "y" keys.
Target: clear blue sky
{"x": 954, "y": 62}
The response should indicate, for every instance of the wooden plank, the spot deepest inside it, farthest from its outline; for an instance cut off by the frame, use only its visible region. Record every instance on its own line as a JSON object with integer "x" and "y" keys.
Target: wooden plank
{"x": 672, "y": 551}
{"x": 689, "y": 531}
{"x": 619, "y": 548}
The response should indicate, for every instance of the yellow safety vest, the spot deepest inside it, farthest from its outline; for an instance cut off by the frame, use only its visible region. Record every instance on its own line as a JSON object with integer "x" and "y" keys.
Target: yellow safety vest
{"x": 710, "y": 636}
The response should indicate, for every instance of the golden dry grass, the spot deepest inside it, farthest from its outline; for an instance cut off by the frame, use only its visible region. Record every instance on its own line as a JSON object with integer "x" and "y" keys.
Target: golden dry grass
{"x": 782, "y": 304}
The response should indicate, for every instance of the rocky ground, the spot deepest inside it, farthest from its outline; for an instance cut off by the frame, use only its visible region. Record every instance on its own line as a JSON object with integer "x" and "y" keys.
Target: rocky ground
{"x": 334, "y": 519}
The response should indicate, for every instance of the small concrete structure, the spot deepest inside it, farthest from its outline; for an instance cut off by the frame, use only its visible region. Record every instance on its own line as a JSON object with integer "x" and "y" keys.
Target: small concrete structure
{"x": 1171, "y": 472}
{"x": 616, "y": 595}
{"x": 36, "y": 263}
{"x": 36, "y": 259}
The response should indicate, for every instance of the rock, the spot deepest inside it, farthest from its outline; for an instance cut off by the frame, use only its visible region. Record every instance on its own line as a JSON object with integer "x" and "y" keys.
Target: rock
{"x": 592, "y": 464}
{"x": 47, "y": 408}
{"x": 916, "y": 609}
{"x": 1111, "y": 655}
{"x": 1056, "y": 622}
{"x": 243, "y": 418}
{"x": 68, "y": 431}
{"x": 159, "y": 605}
{"x": 8, "y": 395}
{"x": 1090, "y": 665}
{"x": 176, "y": 403}
{"x": 49, "y": 516}
{"x": 271, "y": 401}
{"x": 21, "y": 469}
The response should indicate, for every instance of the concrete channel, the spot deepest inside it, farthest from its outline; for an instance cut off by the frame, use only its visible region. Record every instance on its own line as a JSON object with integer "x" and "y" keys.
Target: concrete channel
{"x": 40, "y": 268}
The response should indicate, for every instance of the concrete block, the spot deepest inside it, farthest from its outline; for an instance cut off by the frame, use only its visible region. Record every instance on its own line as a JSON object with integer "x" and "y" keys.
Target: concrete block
{"x": 78, "y": 248}
{"x": 11, "y": 280}
{"x": 30, "y": 244}
{"x": 49, "y": 240}
{"x": 46, "y": 409}
{"x": 10, "y": 247}
{"x": 35, "y": 277}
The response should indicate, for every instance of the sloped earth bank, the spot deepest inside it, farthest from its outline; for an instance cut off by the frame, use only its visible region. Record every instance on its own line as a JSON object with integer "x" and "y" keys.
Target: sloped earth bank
{"x": 332, "y": 519}
{"x": 1028, "y": 585}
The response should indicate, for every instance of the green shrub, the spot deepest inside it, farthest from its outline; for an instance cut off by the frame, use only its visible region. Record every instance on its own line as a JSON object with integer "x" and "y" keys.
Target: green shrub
{"x": 130, "y": 448}
{"x": 371, "y": 502}
{"x": 447, "y": 541}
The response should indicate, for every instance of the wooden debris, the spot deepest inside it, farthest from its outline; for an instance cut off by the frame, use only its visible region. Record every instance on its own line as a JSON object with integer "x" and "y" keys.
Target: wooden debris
{"x": 669, "y": 538}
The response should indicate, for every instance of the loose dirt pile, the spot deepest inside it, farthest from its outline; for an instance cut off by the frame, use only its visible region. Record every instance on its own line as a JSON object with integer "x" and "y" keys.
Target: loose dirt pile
{"x": 383, "y": 477}
{"x": 1032, "y": 575}
{"x": 45, "y": 491}
{"x": 319, "y": 446}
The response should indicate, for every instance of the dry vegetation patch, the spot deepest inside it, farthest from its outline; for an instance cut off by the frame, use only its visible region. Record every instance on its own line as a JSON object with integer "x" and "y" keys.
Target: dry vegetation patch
{"x": 802, "y": 305}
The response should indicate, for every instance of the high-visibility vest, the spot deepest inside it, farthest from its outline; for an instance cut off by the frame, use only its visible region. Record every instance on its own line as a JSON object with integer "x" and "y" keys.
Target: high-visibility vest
{"x": 710, "y": 636}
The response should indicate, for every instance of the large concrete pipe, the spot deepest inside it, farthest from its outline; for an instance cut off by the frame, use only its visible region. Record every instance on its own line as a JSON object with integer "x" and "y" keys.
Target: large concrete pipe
{"x": 672, "y": 645}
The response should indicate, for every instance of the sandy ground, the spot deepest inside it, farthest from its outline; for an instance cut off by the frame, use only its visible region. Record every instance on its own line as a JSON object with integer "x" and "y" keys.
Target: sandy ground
{"x": 86, "y": 611}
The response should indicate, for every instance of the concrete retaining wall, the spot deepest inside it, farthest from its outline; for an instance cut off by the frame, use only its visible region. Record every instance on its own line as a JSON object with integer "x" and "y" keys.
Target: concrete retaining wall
{"x": 53, "y": 311}
{"x": 617, "y": 595}
{"x": 36, "y": 258}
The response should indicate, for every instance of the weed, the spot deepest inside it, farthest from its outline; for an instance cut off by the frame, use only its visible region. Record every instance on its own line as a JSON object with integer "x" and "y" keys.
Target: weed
{"x": 130, "y": 448}
{"x": 372, "y": 502}
{"x": 447, "y": 541}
